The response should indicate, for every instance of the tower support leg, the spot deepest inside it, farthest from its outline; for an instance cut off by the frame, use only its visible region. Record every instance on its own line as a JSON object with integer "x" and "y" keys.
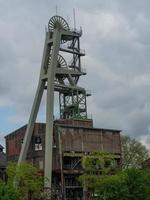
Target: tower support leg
{"x": 35, "y": 106}
{"x": 30, "y": 126}
{"x": 49, "y": 115}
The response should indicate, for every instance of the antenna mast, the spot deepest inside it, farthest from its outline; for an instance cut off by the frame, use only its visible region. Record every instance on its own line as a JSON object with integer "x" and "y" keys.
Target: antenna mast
{"x": 74, "y": 18}
{"x": 56, "y": 10}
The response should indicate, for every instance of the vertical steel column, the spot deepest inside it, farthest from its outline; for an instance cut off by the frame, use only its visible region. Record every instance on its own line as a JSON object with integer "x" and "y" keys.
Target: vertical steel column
{"x": 61, "y": 161}
{"x": 49, "y": 113}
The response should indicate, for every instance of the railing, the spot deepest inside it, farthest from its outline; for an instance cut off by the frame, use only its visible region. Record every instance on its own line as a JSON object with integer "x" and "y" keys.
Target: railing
{"x": 88, "y": 92}
{"x": 82, "y": 70}
{"x": 75, "y": 30}
{"x": 67, "y": 47}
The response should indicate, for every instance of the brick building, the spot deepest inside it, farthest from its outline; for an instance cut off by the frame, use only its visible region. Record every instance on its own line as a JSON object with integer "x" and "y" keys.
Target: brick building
{"x": 72, "y": 140}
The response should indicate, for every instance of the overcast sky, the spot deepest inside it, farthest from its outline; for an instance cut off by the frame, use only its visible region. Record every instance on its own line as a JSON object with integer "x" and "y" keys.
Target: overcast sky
{"x": 116, "y": 37}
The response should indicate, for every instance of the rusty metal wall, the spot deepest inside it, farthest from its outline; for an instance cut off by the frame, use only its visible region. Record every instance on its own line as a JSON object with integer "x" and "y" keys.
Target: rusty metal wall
{"x": 36, "y": 157}
{"x": 75, "y": 138}
{"x": 76, "y": 122}
{"x": 90, "y": 140}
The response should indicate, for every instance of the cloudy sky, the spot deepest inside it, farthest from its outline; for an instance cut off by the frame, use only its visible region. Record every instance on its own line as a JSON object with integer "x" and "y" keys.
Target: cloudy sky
{"x": 116, "y": 37}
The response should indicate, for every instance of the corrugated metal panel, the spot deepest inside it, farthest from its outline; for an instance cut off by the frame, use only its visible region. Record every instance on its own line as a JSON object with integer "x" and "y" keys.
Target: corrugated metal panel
{"x": 89, "y": 140}
{"x": 73, "y": 139}
{"x": 76, "y": 122}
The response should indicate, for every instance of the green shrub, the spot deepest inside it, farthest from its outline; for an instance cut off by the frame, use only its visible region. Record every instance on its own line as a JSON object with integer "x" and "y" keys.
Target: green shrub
{"x": 8, "y": 192}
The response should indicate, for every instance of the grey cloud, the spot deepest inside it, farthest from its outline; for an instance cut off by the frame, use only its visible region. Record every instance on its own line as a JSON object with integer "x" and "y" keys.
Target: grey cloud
{"x": 139, "y": 122}
{"x": 116, "y": 39}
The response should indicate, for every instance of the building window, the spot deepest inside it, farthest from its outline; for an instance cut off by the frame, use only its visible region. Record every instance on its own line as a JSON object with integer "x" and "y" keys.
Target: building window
{"x": 38, "y": 143}
{"x": 38, "y": 147}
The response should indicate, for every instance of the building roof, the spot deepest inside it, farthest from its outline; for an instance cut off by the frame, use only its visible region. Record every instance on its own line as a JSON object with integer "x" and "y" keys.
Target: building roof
{"x": 92, "y": 128}
{"x": 18, "y": 129}
{"x": 65, "y": 126}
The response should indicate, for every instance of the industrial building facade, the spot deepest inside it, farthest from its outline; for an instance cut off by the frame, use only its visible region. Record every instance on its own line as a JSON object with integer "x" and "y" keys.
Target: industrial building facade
{"x": 71, "y": 140}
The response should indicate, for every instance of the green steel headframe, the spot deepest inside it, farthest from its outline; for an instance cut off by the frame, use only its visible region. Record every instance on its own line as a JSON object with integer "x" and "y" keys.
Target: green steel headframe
{"x": 62, "y": 76}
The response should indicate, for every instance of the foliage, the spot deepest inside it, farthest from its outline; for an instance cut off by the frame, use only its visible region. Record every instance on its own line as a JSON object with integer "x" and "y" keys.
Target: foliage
{"x": 8, "y": 192}
{"x": 111, "y": 188}
{"x": 29, "y": 182}
{"x": 133, "y": 153}
{"x": 95, "y": 165}
{"x": 131, "y": 184}
{"x": 106, "y": 183}
{"x": 137, "y": 182}
{"x": 88, "y": 181}
{"x": 98, "y": 162}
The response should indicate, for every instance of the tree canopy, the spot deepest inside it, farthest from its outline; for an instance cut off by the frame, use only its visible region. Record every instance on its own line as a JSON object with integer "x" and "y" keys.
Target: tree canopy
{"x": 107, "y": 182}
{"x": 134, "y": 153}
{"x": 96, "y": 165}
{"x": 131, "y": 184}
{"x": 29, "y": 182}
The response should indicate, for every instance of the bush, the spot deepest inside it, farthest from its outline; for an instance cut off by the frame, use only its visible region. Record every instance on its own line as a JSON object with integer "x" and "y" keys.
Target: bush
{"x": 112, "y": 188}
{"x": 8, "y": 193}
{"x": 131, "y": 184}
{"x": 29, "y": 183}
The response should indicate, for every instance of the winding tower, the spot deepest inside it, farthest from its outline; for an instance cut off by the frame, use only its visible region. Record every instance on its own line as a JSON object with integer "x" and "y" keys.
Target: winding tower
{"x": 60, "y": 72}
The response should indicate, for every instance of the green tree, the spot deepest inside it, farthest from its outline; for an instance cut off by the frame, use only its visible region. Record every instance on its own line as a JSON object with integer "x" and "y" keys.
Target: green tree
{"x": 98, "y": 162}
{"x": 8, "y": 192}
{"x": 111, "y": 188}
{"x": 131, "y": 184}
{"x": 102, "y": 178}
{"x": 133, "y": 153}
{"x": 95, "y": 166}
{"x": 29, "y": 182}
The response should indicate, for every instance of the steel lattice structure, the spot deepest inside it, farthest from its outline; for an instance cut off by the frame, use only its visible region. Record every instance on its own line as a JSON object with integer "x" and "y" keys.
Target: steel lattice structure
{"x": 61, "y": 76}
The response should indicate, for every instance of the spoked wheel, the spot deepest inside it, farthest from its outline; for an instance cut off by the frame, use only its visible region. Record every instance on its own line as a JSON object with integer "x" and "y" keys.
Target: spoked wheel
{"x": 60, "y": 61}
{"x": 57, "y": 22}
